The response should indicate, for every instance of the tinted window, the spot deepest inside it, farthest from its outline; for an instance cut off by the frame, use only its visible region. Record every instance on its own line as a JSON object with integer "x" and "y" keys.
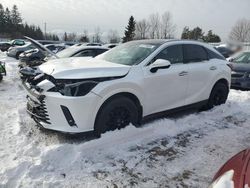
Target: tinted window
{"x": 194, "y": 53}
{"x": 172, "y": 53}
{"x": 100, "y": 51}
{"x": 213, "y": 55}
{"x": 19, "y": 42}
{"x": 85, "y": 53}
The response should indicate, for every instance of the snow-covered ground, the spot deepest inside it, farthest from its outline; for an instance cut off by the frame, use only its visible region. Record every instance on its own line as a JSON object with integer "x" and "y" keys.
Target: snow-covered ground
{"x": 184, "y": 150}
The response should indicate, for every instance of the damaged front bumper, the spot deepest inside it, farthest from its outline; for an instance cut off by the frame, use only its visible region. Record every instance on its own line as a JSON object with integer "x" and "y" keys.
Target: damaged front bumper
{"x": 36, "y": 106}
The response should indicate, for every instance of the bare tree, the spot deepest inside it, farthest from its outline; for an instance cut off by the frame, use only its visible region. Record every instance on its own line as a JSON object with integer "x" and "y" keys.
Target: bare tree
{"x": 72, "y": 37}
{"x": 154, "y": 22}
{"x": 97, "y": 35}
{"x": 142, "y": 27}
{"x": 85, "y": 36}
{"x": 113, "y": 36}
{"x": 241, "y": 31}
{"x": 168, "y": 28}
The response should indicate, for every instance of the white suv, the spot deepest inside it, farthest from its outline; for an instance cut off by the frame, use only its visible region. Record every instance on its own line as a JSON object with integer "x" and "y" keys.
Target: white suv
{"x": 127, "y": 84}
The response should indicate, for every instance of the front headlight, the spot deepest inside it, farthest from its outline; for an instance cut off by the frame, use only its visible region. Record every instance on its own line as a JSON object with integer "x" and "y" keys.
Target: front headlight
{"x": 224, "y": 181}
{"x": 75, "y": 89}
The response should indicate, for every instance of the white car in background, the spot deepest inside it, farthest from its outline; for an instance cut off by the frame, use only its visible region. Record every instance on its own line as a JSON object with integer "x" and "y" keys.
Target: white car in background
{"x": 126, "y": 85}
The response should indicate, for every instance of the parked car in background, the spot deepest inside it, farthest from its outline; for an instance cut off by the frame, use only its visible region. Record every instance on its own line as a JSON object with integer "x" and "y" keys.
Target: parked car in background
{"x": 16, "y": 51}
{"x": 4, "y": 46}
{"x": 226, "y": 52}
{"x": 241, "y": 70}
{"x": 82, "y": 51}
{"x": 43, "y": 53}
{"x": 111, "y": 45}
{"x": 33, "y": 57}
{"x": 56, "y": 47}
{"x": 87, "y": 44}
{"x": 126, "y": 84}
{"x": 235, "y": 173}
{"x": 36, "y": 57}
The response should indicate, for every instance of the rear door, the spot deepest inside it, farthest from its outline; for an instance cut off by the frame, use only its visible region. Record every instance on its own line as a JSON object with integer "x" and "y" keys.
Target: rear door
{"x": 201, "y": 71}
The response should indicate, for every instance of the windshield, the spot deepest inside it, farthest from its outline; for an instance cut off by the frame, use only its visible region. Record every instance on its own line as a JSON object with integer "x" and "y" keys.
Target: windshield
{"x": 131, "y": 53}
{"x": 243, "y": 58}
{"x": 67, "y": 52}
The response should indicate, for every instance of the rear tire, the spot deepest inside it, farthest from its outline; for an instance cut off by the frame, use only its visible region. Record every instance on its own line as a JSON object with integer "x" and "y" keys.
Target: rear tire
{"x": 116, "y": 113}
{"x": 218, "y": 96}
{"x": 1, "y": 77}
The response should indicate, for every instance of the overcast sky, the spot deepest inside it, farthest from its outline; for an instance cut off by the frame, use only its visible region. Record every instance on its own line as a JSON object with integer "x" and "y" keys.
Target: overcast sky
{"x": 76, "y": 15}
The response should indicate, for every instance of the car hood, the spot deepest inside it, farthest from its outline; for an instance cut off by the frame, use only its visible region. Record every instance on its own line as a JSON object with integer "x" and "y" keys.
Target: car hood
{"x": 82, "y": 68}
{"x": 241, "y": 67}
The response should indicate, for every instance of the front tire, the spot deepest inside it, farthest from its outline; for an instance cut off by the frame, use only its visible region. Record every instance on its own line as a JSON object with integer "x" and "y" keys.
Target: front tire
{"x": 17, "y": 55}
{"x": 116, "y": 113}
{"x": 218, "y": 95}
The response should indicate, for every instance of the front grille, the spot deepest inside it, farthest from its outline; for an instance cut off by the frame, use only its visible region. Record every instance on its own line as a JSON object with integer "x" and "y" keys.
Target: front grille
{"x": 237, "y": 75}
{"x": 38, "y": 111}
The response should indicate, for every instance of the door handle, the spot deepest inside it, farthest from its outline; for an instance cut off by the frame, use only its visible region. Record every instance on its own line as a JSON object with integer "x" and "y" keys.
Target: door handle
{"x": 183, "y": 73}
{"x": 213, "y": 68}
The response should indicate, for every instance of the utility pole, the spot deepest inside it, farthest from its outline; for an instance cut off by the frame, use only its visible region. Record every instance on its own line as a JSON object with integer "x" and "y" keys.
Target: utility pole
{"x": 45, "y": 30}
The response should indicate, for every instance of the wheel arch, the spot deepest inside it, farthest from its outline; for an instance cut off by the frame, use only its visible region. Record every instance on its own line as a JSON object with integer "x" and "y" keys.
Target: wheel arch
{"x": 128, "y": 95}
{"x": 223, "y": 81}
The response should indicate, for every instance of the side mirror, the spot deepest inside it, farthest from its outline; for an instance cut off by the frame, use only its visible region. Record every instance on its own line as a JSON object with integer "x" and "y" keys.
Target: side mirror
{"x": 159, "y": 64}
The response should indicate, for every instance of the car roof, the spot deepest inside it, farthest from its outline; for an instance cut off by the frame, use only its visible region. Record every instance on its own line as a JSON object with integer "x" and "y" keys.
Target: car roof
{"x": 164, "y": 41}
{"x": 89, "y": 47}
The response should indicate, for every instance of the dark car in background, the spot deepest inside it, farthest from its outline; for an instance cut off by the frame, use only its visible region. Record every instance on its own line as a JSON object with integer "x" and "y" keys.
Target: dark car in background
{"x": 226, "y": 52}
{"x": 36, "y": 57}
{"x": 241, "y": 70}
{"x": 4, "y": 46}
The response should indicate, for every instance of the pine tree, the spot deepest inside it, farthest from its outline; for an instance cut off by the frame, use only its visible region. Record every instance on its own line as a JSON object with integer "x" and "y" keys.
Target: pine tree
{"x": 2, "y": 22}
{"x": 211, "y": 37}
{"x": 130, "y": 30}
{"x": 15, "y": 16}
{"x": 185, "y": 33}
{"x": 7, "y": 20}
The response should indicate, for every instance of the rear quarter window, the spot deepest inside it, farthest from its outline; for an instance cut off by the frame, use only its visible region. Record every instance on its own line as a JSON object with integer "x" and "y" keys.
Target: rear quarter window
{"x": 194, "y": 53}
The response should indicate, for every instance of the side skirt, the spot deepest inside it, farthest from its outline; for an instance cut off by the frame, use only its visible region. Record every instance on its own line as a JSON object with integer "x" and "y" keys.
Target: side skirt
{"x": 172, "y": 111}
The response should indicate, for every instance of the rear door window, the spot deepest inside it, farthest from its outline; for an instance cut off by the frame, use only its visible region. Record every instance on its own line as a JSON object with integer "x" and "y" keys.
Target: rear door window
{"x": 194, "y": 53}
